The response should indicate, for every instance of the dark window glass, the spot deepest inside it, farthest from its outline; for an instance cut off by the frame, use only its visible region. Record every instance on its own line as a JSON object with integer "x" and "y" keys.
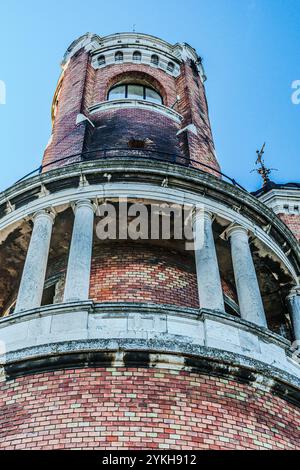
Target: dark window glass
{"x": 134, "y": 91}
{"x": 119, "y": 56}
{"x": 154, "y": 59}
{"x": 117, "y": 93}
{"x": 137, "y": 56}
{"x": 170, "y": 67}
{"x": 101, "y": 60}
{"x": 153, "y": 96}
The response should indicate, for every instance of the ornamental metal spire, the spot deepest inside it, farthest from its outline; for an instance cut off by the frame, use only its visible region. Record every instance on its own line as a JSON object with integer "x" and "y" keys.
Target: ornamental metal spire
{"x": 263, "y": 170}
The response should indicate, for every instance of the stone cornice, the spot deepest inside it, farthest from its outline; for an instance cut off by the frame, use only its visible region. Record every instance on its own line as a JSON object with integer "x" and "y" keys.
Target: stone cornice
{"x": 185, "y": 178}
{"x": 207, "y": 341}
{"x": 92, "y": 42}
{"x": 154, "y": 353}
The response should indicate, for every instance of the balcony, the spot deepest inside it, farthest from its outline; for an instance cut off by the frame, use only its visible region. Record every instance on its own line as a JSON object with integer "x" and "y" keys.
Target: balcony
{"x": 140, "y": 104}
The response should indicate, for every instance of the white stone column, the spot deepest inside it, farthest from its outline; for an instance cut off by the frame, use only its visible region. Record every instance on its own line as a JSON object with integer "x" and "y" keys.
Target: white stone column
{"x": 294, "y": 306}
{"x": 250, "y": 301}
{"x": 80, "y": 255}
{"x": 208, "y": 274}
{"x": 33, "y": 277}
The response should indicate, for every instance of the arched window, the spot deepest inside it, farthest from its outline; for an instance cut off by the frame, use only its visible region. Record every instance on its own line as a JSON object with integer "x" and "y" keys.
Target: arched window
{"x": 137, "y": 56}
{"x": 170, "y": 67}
{"x": 119, "y": 56}
{"x": 134, "y": 91}
{"x": 154, "y": 59}
{"x": 101, "y": 60}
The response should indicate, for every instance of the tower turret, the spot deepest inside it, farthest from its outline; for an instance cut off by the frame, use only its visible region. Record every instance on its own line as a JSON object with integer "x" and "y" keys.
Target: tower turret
{"x": 110, "y": 86}
{"x": 146, "y": 302}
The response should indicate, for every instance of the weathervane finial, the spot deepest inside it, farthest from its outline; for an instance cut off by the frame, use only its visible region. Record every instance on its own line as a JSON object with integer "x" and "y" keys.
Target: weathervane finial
{"x": 260, "y": 154}
{"x": 263, "y": 171}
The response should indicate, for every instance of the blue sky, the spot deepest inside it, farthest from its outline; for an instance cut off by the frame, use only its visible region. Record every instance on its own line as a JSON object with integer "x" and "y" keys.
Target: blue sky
{"x": 251, "y": 51}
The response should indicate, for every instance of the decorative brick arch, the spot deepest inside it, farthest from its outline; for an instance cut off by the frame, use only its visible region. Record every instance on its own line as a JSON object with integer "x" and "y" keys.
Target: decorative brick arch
{"x": 137, "y": 75}
{"x": 106, "y": 77}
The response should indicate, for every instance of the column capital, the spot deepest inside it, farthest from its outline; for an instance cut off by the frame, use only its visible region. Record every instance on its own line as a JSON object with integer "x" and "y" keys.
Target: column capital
{"x": 236, "y": 228}
{"x": 48, "y": 213}
{"x": 201, "y": 213}
{"x": 84, "y": 203}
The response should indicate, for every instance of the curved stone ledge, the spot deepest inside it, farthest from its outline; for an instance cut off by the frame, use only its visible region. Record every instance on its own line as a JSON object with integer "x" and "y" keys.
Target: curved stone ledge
{"x": 154, "y": 354}
{"x": 140, "y": 104}
{"x": 69, "y": 328}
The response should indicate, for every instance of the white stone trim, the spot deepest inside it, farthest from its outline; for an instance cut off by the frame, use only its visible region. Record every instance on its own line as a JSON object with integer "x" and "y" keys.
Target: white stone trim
{"x": 84, "y": 321}
{"x": 282, "y": 201}
{"x": 146, "y": 53}
{"x": 81, "y": 118}
{"x": 191, "y": 128}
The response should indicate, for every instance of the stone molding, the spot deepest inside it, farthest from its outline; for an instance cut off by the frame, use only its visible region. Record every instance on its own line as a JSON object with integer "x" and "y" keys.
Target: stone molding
{"x": 81, "y": 326}
{"x": 187, "y": 176}
{"x": 140, "y": 104}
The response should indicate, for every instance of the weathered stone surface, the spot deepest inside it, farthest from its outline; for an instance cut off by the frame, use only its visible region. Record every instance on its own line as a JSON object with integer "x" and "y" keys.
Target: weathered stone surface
{"x": 33, "y": 277}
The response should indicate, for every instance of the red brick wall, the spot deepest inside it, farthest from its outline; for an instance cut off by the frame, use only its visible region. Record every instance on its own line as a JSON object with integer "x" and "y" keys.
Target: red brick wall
{"x": 68, "y": 139}
{"x": 293, "y": 222}
{"x": 133, "y": 272}
{"x": 193, "y": 107}
{"x": 82, "y": 87}
{"x": 137, "y": 273}
{"x": 160, "y": 131}
{"x": 136, "y": 408}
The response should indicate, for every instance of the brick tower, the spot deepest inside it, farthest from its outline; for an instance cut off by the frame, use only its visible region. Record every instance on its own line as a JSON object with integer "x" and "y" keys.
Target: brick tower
{"x": 160, "y": 340}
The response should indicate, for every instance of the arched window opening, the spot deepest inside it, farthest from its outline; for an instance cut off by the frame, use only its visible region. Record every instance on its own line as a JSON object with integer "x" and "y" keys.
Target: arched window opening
{"x": 170, "y": 67}
{"x": 119, "y": 56}
{"x": 101, "y": 60}
{"x": 136, "y": 144}
{"x": 134, "y": 91}
{"x": 154, "y": 59}
{"x": 137, "y": 56}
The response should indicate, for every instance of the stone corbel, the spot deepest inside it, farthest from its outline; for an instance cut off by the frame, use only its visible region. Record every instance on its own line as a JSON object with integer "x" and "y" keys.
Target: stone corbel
{"x": 44, "y": 191}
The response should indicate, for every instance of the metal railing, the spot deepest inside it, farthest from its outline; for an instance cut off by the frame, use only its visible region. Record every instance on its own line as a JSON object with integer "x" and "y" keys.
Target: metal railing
{"x": 147, "y": 154}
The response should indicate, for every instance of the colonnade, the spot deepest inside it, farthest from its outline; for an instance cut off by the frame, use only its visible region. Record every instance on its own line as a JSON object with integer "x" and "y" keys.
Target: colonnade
{"x": 207, "y": 268}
